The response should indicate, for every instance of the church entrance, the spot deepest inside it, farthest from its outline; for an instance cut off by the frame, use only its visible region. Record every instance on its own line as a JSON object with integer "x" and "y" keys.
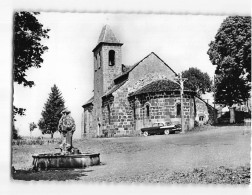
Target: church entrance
{"x": 98, "y": 129}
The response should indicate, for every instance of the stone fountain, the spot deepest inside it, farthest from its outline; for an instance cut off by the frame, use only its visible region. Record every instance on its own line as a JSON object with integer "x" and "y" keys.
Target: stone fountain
{"x": 69, "y": 157}
{"x": 64, "y": 160}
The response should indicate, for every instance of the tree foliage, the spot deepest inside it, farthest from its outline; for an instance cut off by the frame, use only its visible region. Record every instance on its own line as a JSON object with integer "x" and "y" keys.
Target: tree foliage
{"x": 231, "y": 52}
{"x": 15, "y": 134}
{"x": 51, "y": 113}
{"x": 230, "y": 90}
{"x": 32, "y": 126}
{"x": 28, "y": 34}
{"x": 19, "y": 111}
{"x": 197, "y": 81}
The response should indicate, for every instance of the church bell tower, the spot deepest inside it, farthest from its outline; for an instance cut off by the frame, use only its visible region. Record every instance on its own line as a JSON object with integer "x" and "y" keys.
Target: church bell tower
{"x": 107, "y": 66}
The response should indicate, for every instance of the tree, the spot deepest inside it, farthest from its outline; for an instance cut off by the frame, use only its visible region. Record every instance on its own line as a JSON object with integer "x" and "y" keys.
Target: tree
{"x": 32, "y": 127}
{"x": 51, "y": 114}
{"x": 41, "y": 125}
{"x": 197, "y": 81}
{"x": 15, "y": 134}
{"x": 231, "y": 53}
{"x": 19, "y": 111}
{"x": 28, "y": 33}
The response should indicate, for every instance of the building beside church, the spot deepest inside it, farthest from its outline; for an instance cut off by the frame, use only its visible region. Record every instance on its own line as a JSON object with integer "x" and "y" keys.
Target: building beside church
{"x": 128, "y": 98}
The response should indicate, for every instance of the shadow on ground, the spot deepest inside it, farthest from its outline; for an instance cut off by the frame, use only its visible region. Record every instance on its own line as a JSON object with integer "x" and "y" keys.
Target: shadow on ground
{"x": 58, "y": 175}
{"x": 229, "y": 124}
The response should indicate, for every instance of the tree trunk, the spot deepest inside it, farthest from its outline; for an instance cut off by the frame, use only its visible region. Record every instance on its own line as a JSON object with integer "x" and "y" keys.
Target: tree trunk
{"x": 51, "y": 135}
{"x": 232, "y": 114}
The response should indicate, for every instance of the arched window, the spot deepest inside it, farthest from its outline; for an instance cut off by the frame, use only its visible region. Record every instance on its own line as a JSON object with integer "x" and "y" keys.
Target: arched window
{"x": 178, "y": 109}
{"x": 111, "y": 58}
{"x": 99, "y": 60}
{"x": 100, "y": 55}
{"x": 108, "y": 107}
{"x": 95, "y": 62}
{"x": 201, "y": 118}
{"x": 147, "y": 110}
{"x": 134, "y": 111}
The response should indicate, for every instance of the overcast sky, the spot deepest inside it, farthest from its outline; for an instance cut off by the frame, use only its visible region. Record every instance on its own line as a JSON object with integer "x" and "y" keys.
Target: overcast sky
{"x": 180, "y": 40}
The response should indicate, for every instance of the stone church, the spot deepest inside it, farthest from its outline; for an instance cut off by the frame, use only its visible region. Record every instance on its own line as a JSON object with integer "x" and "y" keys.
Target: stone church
{"x": 128, "y": 98}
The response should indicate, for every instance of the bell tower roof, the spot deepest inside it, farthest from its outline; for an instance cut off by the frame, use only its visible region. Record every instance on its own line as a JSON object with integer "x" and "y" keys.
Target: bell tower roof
{"x": 107, "y": 36}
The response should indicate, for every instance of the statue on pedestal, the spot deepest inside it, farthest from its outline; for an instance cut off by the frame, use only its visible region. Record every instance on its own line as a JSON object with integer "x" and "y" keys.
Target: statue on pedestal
{"x": 66, "y": 128}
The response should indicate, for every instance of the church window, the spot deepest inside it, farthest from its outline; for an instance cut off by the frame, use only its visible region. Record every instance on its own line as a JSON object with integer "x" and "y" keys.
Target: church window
{"x": 95, "y": 62}
{"x": 99, "y": 60}
{"x": 147, "y": 110}
{"x": 178, "y": 109}
{"x": 111, "y": 58}
{"x": 100, "y": 54}
{"x": 134, "y": 111}
{"x": 108, "y": 107}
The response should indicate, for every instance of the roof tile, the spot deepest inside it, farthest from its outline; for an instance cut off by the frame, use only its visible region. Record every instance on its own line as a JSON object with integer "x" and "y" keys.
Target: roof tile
{"x": 157, "y": 86}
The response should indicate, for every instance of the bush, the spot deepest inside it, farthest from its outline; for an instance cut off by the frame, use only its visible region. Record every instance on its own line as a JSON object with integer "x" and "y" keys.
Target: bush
{"x": 15, "y": 135}
{"x": 239, "y": 117}
{"x": 196, "y": 123}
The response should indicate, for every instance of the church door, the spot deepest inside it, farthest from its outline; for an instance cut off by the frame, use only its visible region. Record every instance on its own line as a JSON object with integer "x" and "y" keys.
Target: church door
{"x": 98, "y": 129}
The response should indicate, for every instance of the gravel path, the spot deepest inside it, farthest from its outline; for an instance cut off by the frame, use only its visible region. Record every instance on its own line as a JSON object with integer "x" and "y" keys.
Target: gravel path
{"x": 156, "y": 159}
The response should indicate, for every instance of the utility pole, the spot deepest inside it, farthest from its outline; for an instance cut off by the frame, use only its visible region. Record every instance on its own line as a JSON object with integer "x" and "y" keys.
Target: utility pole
{"x": 214, "y": 91}
{"x": 181, "y": 84}
{"x": 214, "y": 87}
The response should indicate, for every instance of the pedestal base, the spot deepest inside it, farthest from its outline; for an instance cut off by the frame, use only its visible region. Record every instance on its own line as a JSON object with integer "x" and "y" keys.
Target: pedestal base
{"x": 64, "y": 161}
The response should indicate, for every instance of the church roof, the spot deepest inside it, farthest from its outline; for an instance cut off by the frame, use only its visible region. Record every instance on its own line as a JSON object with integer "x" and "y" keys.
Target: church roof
{"x": 90, "y": 101}
{"x": 158, "y": 86}
{"x": 114, "y": 88}
{"x": 107, "y": 36}
{"x": 129, "y": 69}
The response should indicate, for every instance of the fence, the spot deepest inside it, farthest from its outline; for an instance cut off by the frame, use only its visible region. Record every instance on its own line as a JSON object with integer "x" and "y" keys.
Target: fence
{"x": 38, "y": 141}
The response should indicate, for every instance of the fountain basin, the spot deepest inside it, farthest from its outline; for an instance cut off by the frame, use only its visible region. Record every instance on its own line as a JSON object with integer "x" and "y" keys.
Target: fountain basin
{"x": 64, "y": 161}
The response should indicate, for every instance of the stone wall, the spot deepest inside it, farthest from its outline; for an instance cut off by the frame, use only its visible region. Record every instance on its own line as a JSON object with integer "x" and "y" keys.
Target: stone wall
{"x": 162, "y": 107}
{"x": 129, "y": 115}
{"x": 104, "y": 75}
{"x": 82, "y": 125}
{"x": 88, "y": 130}
{"x": 110, "y": 72}
{"x": 121, "y": 120}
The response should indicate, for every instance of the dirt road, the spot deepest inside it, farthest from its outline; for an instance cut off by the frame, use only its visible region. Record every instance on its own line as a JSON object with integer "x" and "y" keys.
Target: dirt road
{"x": 222, "y": 146}
{"x": 154, "y": 157}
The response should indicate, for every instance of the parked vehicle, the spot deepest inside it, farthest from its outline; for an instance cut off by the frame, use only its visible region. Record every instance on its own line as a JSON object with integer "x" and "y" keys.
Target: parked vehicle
{"x": 161, "y": 128}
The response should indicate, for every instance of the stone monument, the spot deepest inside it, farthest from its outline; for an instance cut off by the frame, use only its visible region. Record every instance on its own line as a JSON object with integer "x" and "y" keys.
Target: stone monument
{"x": 66, "y": 128}
{"x": 69, "y": 157}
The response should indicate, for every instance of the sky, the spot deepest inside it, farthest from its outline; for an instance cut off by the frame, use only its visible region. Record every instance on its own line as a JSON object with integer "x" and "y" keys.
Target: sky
{"x": 180, "y": 40}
